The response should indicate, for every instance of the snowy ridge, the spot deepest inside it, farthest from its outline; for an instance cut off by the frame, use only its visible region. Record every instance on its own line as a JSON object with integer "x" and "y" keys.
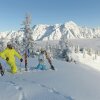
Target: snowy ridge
{"x": 44, "y": 32}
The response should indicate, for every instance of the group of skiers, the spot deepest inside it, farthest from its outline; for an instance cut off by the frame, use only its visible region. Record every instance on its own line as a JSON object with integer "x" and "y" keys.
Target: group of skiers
{"x": 9, "y": 55}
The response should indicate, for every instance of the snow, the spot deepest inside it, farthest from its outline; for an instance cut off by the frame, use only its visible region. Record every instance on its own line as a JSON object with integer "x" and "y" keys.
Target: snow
{"x": 44, "y": 32}
{"x": 93, "y": 44}
{"x": 89, "y": 60}
{"x": 70, "y": 81}
{"x": 78, "y": 80}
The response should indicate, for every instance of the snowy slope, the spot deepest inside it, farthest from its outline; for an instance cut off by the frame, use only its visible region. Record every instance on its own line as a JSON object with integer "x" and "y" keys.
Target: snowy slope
{"x": 45, "y": 32}
{"x": 92, "y": 60}
{"x": 69, "y": 82}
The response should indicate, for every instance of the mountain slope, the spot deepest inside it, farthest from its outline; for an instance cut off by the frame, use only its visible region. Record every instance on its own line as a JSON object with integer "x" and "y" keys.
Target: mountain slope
{"x": 68, "y": 30}
{"x": 69, "y": 82}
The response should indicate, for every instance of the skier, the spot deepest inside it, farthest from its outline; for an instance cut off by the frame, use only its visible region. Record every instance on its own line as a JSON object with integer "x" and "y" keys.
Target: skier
{"x": 8, "y": 54}
{"x": 41, "y": 58}
{"x": 26, "y": 55}
{"x": 49, "y": 60}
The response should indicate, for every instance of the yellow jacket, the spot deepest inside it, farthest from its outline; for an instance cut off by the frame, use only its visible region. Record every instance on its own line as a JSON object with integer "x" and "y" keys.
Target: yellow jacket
{"x": 10, "y": 53}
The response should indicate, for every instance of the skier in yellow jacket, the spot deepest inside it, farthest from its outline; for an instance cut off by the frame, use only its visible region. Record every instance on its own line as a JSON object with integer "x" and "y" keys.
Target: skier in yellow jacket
{"x": 9, "y": 55}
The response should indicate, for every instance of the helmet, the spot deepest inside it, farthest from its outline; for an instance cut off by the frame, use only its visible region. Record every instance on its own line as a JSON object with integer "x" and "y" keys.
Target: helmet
{"x": 42, "y": 49}
{"x": 9, "y": 43}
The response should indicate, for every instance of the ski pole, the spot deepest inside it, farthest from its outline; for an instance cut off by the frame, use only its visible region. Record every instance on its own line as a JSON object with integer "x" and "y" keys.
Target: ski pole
{"x": 20, "y": 66}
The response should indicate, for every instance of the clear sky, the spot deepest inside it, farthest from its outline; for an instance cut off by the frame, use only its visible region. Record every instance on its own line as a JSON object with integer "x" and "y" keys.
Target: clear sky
{"x": 82, "y": 12}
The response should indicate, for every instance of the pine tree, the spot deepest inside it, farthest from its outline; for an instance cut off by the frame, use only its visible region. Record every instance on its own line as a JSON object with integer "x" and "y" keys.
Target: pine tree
{"x": 77, "y": 48}
{"x": 84, "y": 53}
{"x": 89, "y": 51}
{"x": 28, "y": 41}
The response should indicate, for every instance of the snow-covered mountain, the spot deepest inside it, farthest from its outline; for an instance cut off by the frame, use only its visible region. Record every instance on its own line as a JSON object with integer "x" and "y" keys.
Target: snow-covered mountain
{"x": 44, "y": 32}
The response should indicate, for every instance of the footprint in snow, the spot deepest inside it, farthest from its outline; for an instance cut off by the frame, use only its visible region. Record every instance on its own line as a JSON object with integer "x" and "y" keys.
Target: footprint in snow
{"x": 16, "y": 86}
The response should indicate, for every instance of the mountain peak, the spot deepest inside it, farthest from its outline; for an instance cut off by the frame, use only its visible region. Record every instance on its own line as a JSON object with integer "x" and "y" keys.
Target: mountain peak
{"x": 70, "y": 24}
{"x": 55, "y": 32}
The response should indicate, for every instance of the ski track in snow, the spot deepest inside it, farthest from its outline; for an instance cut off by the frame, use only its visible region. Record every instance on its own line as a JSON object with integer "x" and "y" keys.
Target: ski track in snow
{"x": 19, "y": 88}
{"x": 52, "y": 90}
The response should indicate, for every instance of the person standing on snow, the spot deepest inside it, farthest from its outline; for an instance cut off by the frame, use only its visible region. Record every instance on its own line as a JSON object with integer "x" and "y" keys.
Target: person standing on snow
{"x": 41, "y": 58}
{"x": 49, "y": 60}
{"x": 9, "y": 55}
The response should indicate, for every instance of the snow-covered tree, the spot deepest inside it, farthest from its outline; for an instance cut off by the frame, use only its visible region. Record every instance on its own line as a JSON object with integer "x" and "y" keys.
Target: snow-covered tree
{"x": 96, "y": 55}
{"x": 28, "y": 41}
{"x": 84, "y": 53}
{"x": 98, "y": 52}
{"x": 68, "y": 51}
{"x": 77, "y": 49}
{"x": 89, "y": 51}
{"x": 1, "y": 45}
{"x": 68, "y": 56}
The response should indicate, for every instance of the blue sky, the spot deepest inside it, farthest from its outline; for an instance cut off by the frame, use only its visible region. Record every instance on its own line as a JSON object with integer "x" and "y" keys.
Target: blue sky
{"x": 82, "y": 12}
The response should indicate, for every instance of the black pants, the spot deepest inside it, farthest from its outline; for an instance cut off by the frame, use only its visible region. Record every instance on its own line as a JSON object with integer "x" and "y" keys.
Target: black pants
{"x": 1, "y": 70}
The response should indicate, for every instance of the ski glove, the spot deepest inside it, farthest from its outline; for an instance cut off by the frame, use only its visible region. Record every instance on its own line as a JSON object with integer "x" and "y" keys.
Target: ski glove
{"x": 21, "y": 60}
{"x": 7, "y": 58}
